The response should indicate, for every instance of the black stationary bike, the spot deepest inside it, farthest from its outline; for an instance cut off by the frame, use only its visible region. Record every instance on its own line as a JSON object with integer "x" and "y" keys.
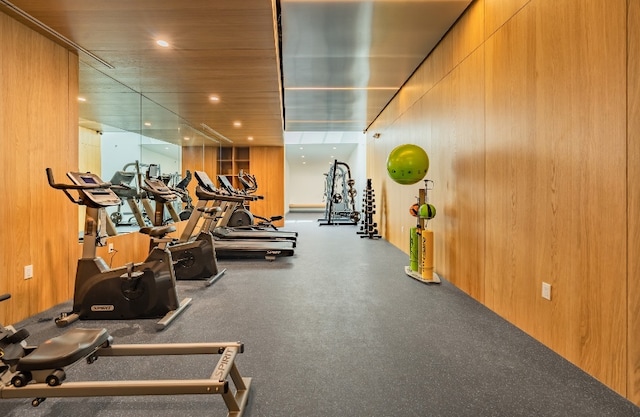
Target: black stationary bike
{"x": 194, "y": 259}
{"x": 133, "y": 291}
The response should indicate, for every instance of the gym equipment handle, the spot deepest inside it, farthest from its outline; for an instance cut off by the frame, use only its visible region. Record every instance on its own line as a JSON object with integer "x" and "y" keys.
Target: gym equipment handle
{"x": 5, "y": 297}
{"x": 61, "y": 186}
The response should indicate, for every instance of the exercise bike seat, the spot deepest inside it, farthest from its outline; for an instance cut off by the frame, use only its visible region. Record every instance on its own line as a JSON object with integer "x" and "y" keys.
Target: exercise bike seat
{"x": 64, "y": 350}
{"x": 157, "y": 231}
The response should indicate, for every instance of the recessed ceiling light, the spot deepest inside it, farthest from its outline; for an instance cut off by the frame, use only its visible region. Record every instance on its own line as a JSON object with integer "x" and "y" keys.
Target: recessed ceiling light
{"x": 237, "y": 123}
{"x": 334, "y": 147}
{"x": 301, "y": 147}
{"x": 250, "y": 138}
{"x": 215, "y": 99}
{"x": 147, "y": 123}
{"x": 303, "y": 156}
{"x": 82, "y": 99}
{"x": 187, "y": 138}
{"x": 303, "y": 163}
{"x": 162, "y": 43}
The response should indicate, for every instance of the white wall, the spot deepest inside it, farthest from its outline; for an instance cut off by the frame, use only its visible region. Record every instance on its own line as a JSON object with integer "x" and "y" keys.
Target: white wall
{"x": 118, "y": 149}
{"x": 305, "y": 183}
{"x": 121, "y": 148}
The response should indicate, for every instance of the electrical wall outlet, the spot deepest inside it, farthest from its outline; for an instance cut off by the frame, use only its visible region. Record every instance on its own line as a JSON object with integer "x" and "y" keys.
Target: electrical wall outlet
{"x": 110, "y": 247}
{"x": 28, "y": 272}
{"x": 546, "y": 291}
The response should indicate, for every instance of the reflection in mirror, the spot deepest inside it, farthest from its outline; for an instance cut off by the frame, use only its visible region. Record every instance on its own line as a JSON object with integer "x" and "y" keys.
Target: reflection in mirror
{"x": 122, "y": 135}
{"x": 161, "y": 155}
{"x": 109, "y": 124}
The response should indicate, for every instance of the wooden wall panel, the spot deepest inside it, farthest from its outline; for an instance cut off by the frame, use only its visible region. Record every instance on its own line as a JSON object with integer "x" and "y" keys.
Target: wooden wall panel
{"x": 515, "y": 135}
{"x": 512, "y": 207}
{"x": 468, "y": 33}
{"x": 459, "y": 192}
{"x": 73, "y": 151}
{"x": 267, "y": 164}
{"x": 497, "y": 12}
{"x": 199, "y": 158}
{"x": 38, "y": 130}
{"x": 89, "y": 151}
{"x": 4, "y": 208}
{"x": 633, "y": 175}
{"x": 581, "y": 99}
{"x": 128, "y": 247}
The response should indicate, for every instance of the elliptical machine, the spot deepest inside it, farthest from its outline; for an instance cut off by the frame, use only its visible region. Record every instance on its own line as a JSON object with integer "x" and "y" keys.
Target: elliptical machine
{"x": 133, "y": 291}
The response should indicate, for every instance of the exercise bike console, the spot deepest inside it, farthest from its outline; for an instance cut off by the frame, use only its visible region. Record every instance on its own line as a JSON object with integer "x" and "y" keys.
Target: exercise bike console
{"x": 103, "y": 196}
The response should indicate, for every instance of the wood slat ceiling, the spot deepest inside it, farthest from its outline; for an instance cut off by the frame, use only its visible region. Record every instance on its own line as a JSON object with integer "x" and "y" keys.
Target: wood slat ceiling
{"x": 224, "y": 47}
{"x": 342, "y": 60}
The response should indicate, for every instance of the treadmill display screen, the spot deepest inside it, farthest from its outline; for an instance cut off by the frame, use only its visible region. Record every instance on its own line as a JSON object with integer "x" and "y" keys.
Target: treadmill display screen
{"x": 88, "y": 180}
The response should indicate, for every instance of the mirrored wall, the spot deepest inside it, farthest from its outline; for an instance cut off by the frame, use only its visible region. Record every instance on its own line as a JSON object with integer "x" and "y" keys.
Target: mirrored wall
{"x": 124, "y": 136}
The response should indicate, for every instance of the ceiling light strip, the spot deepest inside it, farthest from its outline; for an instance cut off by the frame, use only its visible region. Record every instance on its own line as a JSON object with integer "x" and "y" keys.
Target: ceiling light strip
{"x": 197, "y": 132}
{"x": 215, "y": 132}
{"x": 68, "y": 42}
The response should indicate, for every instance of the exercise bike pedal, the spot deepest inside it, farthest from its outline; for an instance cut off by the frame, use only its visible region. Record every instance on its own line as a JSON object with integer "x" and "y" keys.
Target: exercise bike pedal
{"x": 66, "y": 319}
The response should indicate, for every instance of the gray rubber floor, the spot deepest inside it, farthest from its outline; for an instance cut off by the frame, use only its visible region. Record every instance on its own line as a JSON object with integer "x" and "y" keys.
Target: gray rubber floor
{"x": 339, "y": 329}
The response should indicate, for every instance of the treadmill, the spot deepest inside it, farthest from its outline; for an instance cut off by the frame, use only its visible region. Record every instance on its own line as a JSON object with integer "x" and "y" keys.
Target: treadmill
{"x": 245, "y": 214}
{"x": 228, "y": 204}
{"x": 230, "y": 248}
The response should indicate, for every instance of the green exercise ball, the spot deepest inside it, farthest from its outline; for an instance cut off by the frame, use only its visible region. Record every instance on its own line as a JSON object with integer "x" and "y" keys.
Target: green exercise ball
{"x": 407, "y": 164}
{"x": 427, "y": 211}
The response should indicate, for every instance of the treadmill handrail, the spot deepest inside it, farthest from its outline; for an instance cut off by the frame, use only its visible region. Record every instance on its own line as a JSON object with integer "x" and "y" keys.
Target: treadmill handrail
{"x": 204, "y": 194}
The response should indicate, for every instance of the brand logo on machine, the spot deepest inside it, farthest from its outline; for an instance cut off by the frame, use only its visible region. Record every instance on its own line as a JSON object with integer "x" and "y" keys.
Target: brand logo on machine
{"x": 102, "y": 307}
{"x": 224, "y": 362}
{"x": 274, "y": 252}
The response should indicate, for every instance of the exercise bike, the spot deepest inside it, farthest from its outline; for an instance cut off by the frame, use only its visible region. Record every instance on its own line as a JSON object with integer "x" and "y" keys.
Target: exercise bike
{"x": 133, "y": 291}
{"x": 194, "y": 259}
{"x": 182, "y": 191}
{"x": 38, "y": 372}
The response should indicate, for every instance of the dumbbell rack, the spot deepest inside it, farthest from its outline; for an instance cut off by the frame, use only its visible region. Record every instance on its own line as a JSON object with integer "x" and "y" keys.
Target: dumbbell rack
{"x": 367, "y": 227}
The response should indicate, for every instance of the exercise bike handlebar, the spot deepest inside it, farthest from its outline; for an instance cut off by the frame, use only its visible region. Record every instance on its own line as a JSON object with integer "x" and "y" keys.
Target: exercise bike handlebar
{"x": 67, "y": 187}
{"x": 64, "y": 187}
